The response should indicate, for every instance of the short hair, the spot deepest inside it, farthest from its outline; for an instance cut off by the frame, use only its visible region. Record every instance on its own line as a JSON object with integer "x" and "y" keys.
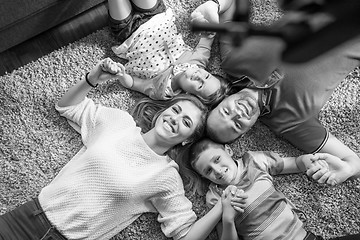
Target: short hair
{"x": 194, "y": 182}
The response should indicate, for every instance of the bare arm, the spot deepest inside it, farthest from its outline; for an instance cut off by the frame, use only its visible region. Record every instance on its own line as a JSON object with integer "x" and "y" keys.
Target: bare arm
{"x": 338, "y": 149}
{"x": 342, "y": 163}
{"x": 202, "y": 227}
{"x": 78, "y": 92}
{"x": 235, "y": 198}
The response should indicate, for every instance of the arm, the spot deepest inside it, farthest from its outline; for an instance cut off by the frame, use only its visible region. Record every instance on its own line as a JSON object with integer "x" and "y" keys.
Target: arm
{"x": 78, "y": 92}
{"x": 341, "y": 161}
{"x": 227, "y": 230}
{"x": 202, "y": 227}
{"x": 235, "y": 203}
{"x": 338, "y": 149}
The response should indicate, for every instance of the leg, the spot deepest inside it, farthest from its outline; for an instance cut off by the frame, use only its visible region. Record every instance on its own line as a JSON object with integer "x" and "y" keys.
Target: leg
{"x": 119, "y": 9}
{"x": 348, "y": 237}
{"x": 126, "y": 16}
{"x": 145, "y": 4}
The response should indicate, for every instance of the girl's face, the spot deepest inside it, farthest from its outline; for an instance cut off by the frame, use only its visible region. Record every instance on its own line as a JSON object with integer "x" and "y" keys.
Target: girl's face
{"x": 199, "y": 82}
{"x": 217, "y": 165}
{"x": 178, "y": 122}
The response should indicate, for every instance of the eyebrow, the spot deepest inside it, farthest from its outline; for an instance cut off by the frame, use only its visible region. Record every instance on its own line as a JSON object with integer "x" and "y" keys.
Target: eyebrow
{"x": 211, "y": 160}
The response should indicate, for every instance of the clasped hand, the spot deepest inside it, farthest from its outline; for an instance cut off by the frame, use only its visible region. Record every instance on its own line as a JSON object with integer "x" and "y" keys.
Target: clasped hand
{"x": 233, "y": 201}
{"x": 105, "y": 70}
{"x": 327, "y": 168}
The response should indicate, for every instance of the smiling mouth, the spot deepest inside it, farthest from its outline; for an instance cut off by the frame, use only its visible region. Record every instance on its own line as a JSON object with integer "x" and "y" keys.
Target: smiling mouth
{"x": 169, "y": 126}
{"x": 244, "y": 109}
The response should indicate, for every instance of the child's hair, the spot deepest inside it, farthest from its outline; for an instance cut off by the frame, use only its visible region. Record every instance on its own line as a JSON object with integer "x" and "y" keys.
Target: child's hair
{"x": 147, "y": 110}
{"x": 220, "y": 94}
{"x": 194, "y": 182}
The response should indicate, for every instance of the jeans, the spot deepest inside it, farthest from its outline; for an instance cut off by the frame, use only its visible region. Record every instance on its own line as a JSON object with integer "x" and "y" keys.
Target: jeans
{"x": 29, "y": 222}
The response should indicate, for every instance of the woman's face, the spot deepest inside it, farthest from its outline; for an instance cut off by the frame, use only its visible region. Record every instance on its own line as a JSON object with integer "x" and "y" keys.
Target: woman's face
{"x": 199, "y": 82}
{"x": 178, "y": 122}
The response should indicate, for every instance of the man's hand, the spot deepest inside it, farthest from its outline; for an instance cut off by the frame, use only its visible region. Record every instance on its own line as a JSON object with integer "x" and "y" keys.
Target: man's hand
{"x": 329, "y": 169}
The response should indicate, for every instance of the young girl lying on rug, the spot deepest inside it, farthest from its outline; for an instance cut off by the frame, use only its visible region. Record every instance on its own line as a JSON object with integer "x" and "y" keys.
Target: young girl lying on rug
{"x": 160, "y": 64}
{"x": 99, "y": 192}
{"x": 268, "y": 214}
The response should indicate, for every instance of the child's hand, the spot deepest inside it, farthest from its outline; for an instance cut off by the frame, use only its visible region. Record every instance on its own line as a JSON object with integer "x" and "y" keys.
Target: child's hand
{"x": 112, "y": 67}
{"x": 234, "y": 197}
{"x": 118, "y": 69}
{"x": 99, "y": 73}
{"x": 206, "y": 12}
{"x": 329, "y": 169}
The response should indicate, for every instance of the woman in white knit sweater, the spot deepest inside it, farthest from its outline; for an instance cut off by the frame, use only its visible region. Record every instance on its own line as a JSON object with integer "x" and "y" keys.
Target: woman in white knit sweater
{"x": 121, "y": 172}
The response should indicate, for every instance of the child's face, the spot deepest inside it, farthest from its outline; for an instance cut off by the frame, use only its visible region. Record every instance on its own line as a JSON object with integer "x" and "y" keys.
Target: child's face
{"x": 217, "y": 165}
{"x": 199, "y": 82}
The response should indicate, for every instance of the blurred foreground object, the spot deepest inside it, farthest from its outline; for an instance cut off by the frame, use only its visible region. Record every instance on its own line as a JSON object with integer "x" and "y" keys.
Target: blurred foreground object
{"x": 308, "y": 27}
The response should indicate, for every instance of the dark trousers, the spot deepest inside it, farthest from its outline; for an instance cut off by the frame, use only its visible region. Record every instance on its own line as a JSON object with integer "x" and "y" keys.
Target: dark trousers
{"x": 29, "y": 222}
{"x": 311, "y": 236}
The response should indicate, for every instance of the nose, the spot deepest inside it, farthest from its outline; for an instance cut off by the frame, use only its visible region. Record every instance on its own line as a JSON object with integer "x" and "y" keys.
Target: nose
{"x": 174, "y": 119}
{"x": 197, "y": 76}
{"x": 217, "y": 172}
{"x": 237, "y": 116}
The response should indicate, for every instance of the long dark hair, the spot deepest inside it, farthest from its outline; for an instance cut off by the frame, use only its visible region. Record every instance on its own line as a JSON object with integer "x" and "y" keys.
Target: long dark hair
{"x": 218, "y": 95}
{"x": 147, "y": 110}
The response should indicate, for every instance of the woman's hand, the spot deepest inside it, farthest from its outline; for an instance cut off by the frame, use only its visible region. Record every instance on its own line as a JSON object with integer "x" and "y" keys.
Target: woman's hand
{"x": 233, "y": 202}
{"x": 104, "y": 70}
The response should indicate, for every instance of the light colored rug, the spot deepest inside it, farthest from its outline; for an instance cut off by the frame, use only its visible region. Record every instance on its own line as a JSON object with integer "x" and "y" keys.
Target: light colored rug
{"x": 35, "y": 142}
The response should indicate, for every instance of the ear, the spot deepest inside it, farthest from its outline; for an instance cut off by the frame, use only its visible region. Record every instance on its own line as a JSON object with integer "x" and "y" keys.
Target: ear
{"x": 229, "y": 150}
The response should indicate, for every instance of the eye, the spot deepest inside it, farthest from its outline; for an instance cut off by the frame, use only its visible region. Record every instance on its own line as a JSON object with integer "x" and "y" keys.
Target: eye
{"x": 208, "y": 171}
{"x": 200, "y": 85}
{"x": 207, "y": 76}
{"x": 226, "y": 111}
{"x": 237, "y": 125}
{"x": 175, "y": 109}
{"x": 187, "y": 122}
{"x": 217, "y": 159}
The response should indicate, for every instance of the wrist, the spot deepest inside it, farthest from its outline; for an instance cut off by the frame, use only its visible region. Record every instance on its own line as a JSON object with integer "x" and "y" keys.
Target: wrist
{"x": 90, "y": 81}
{"x": 300, "y": 164}
{"x": 227, "y": 222}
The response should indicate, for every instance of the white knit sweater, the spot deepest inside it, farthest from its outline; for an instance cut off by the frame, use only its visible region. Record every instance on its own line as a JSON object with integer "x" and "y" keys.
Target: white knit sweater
{"x": 113, "y": 179}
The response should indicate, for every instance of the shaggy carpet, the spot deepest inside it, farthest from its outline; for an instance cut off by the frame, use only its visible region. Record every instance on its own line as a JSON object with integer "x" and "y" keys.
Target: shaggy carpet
{"x": 35, "y": 142}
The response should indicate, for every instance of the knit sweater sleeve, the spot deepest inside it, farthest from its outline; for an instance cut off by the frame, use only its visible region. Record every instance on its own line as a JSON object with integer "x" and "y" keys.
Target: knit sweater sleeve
{"x": 86, "y": 116}
{"x": 175, "y": 210}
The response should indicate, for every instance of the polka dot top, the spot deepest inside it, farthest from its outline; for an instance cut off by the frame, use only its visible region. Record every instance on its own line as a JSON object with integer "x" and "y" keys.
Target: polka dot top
{"x": 152, "y": 52}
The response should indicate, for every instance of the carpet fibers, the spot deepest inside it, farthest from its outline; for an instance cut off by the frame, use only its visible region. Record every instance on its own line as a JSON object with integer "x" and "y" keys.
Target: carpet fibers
{"x": 35, "y": 142}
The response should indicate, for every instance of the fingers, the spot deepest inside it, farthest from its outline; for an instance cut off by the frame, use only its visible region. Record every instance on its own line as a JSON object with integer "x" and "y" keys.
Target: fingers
{"x": 324, "y": 177}
{"x": 108, "y": 65}
{"x": 238, "y": 207}
{"x": 231, "y": 189}
{"x": 332, "y": 180}
{"x": 319, "y": 173}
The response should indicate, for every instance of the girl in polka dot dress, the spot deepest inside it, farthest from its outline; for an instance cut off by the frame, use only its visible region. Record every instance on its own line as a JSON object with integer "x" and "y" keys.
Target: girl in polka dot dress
{"x": 159, "y": 63}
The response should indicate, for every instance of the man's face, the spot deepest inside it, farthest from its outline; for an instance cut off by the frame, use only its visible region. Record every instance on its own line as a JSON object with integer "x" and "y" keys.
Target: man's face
{"x": 234, "y": 116}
